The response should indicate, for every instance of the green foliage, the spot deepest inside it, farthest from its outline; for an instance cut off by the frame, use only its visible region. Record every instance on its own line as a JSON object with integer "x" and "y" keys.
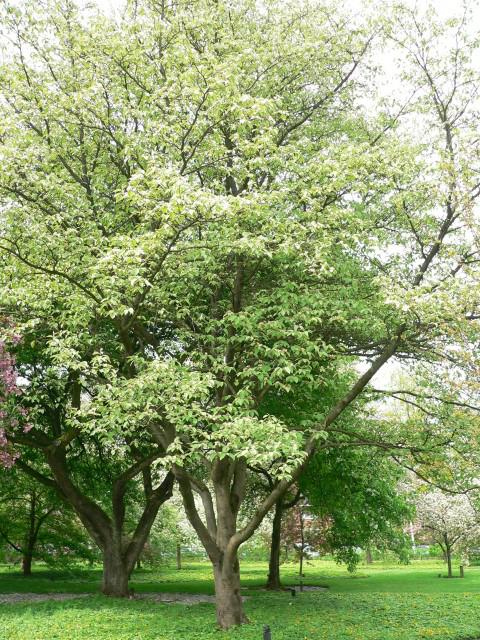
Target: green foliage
{"x": 33, "y": 520}
{"x": 190, "y": 225}
{"x": 357, "y": 491}
{"x": 203, "y": 218}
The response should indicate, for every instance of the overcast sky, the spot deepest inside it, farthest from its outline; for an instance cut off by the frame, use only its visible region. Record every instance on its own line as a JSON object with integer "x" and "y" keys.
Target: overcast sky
{"x": 444, "y": 7}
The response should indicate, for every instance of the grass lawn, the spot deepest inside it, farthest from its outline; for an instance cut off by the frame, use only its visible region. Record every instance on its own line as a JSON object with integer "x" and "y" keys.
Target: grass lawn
{"x": 381, "y": 602}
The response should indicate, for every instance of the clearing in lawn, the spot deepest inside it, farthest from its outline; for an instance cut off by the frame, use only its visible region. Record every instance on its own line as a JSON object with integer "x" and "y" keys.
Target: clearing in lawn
{"x": 379, "y": 602}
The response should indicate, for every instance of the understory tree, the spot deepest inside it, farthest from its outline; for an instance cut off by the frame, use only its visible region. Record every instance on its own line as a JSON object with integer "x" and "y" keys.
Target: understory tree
{"x": 200, "y": 212}
{"x": 112, "y": 486}
{"x": 357, "y": 492}
{"x": 36, "y": 525}
{"x": 345, "y": 499}
{"x": 283, "y": 505}
{"x": 170, "y": 535}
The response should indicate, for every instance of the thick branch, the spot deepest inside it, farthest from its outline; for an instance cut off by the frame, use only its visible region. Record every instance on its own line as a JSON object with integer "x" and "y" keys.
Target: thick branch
{"x": 204, "y": 493}
{"x": 193, "y": 515}
{"x": 120, "y": 485}
{"x": 158, "y": 497}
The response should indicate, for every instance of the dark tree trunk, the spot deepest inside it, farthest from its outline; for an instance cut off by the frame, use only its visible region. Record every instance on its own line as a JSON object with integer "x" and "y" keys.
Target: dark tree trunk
{"x": 228, "y": 599}
{"x": 179, "y": 557}
{"x": 273, "y": 580}
{"x": 446, "y": 547}
{"x": 119, "y": 556}
{"x": 31, "y": 537}
{"x": 302, "y": 541}
{"x": 27, "y": 564}
{"x": 368, "y": 555}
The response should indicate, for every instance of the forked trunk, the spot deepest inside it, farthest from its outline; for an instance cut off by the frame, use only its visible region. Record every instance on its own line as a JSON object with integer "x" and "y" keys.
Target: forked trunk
{"x": 118, "y": 559}
{"x": 228, "y": 599}
{"x": 115, "y": 574}
{"x": 273, "y": 581}
{"x": 218, "y": 533}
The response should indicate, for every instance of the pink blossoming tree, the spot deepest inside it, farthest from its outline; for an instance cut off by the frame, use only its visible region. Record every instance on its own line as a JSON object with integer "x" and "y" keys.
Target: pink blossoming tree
{"x": 12, "y": 415}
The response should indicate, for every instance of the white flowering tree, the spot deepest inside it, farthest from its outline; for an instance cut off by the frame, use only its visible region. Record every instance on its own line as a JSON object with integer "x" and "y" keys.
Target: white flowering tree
{"x": 451, "y": 520}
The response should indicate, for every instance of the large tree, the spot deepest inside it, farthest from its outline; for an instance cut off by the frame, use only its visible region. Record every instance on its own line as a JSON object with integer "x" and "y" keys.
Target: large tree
{"x": 200, "y": 198}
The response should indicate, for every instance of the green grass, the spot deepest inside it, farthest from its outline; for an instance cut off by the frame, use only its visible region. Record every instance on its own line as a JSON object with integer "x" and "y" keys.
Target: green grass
{"x": 383, "y": 602}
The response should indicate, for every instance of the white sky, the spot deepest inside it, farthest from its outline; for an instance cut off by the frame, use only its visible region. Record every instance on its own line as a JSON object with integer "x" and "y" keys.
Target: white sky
{"x": 445, "y": 8}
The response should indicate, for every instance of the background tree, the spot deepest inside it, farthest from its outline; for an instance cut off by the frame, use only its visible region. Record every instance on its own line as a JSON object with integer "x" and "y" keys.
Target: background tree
{"x": 170, "y": 534}
{"x": 258, "y": 488}
{"x": 451, "y": 520}
{"x": 303, "y": 532}
{"x": 36, "y": 524}
{"x": 356, "y": 492}
{"x": 284, "y": 504}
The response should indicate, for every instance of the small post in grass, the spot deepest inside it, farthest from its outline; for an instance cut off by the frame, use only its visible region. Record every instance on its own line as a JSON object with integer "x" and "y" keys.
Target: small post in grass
{"x": 462, "y": 574}
{"x": 267, "y": 634}
{"x": 293, "y": 591}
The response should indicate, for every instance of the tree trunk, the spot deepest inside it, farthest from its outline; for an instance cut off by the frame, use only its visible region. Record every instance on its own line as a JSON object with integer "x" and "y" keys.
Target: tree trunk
{"x": 118, "y": 559}
{"x": 31, "y": 537}
{"x": 115, "y": 573}
{"x": 302, "y": 549}
{"x": 219, "y": 535}
{"x": 228, "y": 599}
{"x": 368, "y": 556}
{"x": 449, "y": 562}
{"x": 273, "y": 581}
{"x": 27, "y": 563}
{"x": 179, "y": 557}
